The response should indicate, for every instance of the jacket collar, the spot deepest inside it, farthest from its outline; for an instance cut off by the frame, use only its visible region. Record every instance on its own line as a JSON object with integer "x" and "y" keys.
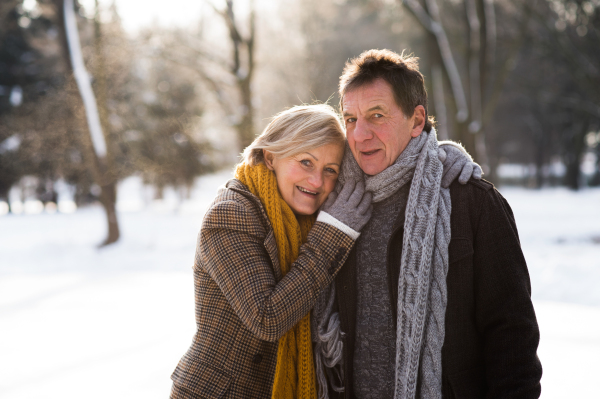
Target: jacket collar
{"x": 270, "y": 243}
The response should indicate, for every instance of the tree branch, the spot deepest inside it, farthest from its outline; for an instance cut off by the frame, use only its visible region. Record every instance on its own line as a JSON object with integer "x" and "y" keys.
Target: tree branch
{"x": 489, "y": 13}
{"x": 433, "y": 24}
{"x": 474, "y": 66}
{"x": 508, "y": 65}
{"x": 83, "y": 81}
{"x": 251, "y": 40}
{"x": 570, "y": 55}
{"x": 212, "y": 83}
{"x": 437, "y": 81}
{"x": 215, "y": 59}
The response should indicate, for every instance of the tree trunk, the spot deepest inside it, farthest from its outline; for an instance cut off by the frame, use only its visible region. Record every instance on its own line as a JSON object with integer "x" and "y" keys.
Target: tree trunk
{"x": 539, "y": 166}
{"x": 437, "y": 88}
{"x": 572, "y": 174}
{"x": 466, "y": 138}
{"x": 595, "y": 181}
{"x": 576, "y": 148}
{"x": 108, "y": 199}
{"x": 245, "y": 128}
{"x": 98, "y": 149}
{"x": 108, "y": 182}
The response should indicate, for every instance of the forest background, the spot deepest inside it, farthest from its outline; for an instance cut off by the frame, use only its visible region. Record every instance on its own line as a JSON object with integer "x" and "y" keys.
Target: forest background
{"x": 516, "y": 82}
{"x": 180, "y": 94}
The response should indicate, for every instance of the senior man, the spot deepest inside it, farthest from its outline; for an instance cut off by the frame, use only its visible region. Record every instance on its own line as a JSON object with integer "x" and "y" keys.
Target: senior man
{"x": 435, "y": 299}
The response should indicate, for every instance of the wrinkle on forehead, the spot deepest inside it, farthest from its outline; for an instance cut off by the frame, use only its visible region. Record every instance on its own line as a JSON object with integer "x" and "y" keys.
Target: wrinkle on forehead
{"x": 379, "y": 96}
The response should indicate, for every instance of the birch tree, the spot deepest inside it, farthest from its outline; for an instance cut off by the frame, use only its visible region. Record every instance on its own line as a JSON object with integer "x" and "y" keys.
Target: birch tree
{"x": 101, "y": 165}
{"x": 475, "y": 88}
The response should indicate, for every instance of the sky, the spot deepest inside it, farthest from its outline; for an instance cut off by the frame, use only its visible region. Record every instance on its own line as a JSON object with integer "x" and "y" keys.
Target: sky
{"x": 136, "y": 14}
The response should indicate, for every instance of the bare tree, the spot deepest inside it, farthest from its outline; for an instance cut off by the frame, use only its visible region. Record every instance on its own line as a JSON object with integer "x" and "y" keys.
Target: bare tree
{"x": 229, "y": 78}
{"x": 572, "y": 36}
{"x": 100, "y": 159}
{"x": 475, "y": 88}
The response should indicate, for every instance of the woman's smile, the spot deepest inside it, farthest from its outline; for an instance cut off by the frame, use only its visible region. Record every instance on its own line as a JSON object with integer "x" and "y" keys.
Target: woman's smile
{"x": 305, "y": 191}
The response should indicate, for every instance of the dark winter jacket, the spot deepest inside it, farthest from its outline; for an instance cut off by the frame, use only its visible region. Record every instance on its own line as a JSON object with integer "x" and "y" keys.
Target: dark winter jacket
{"x": 491, "y": 330}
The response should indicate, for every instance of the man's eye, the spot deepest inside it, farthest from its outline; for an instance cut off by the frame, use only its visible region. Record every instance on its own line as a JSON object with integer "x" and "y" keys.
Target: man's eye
{"x": 350, "y": 120}
{"x": 377, "y": 115}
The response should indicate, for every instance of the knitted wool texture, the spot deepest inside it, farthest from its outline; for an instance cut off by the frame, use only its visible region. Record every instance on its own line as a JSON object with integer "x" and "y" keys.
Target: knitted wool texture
{"x": 294, "y": 372}
{"x": 327, "y": 339}
{"x": 422, "y": 291}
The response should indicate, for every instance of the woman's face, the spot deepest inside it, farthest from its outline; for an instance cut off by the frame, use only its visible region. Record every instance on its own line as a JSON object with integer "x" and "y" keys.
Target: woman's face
{"x": 305, "y": 180}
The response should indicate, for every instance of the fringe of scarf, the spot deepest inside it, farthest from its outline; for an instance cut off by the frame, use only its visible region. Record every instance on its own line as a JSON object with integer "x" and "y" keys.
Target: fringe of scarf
{"x": 294, "y": 372}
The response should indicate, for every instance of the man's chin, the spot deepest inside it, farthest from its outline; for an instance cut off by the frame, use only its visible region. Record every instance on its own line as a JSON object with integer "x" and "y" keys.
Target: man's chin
{"x": 371, "y": 168}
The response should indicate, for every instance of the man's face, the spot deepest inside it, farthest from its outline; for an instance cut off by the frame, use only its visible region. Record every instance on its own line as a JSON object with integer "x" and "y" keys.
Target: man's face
{"x": 377, "y": 129}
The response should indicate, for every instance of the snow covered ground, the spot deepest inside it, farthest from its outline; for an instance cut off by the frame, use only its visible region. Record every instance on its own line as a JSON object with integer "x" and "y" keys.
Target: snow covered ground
{"x": 78, "y": 322}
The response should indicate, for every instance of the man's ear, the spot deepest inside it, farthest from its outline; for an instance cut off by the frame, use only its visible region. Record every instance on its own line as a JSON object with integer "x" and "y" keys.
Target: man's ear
{"x": 269, "y": 158}
{"x": 419, "y": 121}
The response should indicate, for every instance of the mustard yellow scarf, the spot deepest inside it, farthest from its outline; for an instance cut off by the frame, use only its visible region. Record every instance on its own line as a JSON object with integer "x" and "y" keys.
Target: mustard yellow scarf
{"x": 294, "y": 373}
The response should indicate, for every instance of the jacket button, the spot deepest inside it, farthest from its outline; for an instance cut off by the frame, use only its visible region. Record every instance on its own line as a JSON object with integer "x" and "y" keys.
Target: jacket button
{"x": 257, "y": 358}
{"x": 332, "y": 267}
{"x": 340, "y": 254}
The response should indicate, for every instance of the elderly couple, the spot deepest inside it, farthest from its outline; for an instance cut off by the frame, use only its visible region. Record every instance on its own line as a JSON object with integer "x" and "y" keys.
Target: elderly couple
{"x": 348, "y": 262}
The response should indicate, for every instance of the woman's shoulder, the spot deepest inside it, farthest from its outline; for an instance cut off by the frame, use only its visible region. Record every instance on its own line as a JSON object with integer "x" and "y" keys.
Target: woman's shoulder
{"x": 235, "y": 194}
{"x": 235, "y": 207}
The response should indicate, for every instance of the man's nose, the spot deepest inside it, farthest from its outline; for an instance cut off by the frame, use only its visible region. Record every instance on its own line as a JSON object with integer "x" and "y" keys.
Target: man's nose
{"x": 362, "y": 131}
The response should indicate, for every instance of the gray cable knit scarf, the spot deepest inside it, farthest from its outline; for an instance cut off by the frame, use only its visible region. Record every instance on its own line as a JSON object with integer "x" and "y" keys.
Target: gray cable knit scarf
{"x": 422, "y": 295}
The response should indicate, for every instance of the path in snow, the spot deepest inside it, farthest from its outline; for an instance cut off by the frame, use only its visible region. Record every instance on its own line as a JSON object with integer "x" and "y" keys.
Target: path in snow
{"x": 80, "y": 322}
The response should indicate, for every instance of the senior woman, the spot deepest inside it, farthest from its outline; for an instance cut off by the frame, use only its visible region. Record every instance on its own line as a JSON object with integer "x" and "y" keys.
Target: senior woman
{"x": 264, "y": 256}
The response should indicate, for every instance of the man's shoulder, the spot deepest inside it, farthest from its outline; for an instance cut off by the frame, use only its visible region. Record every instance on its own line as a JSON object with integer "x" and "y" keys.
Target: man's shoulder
{"x": 473, "y": 190}
{"x": 475, "y": 197}
{"x": 474, "y": 185}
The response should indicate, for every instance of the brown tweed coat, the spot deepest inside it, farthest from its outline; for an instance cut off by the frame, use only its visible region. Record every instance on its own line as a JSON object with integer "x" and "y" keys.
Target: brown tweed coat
{"x": 243, "y": 305}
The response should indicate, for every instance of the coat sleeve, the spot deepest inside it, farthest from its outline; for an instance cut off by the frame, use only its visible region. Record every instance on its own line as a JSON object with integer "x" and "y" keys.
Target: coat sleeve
{"x": 235, "y": 256}
{"x": 504, "y": 311}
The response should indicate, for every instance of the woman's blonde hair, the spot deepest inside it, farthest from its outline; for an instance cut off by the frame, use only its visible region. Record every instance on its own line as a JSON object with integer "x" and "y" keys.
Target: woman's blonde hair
{"x": 296, "y": 130}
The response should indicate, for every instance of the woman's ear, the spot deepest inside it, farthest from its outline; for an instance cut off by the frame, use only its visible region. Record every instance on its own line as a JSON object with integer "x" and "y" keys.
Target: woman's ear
{"x": 269, "y": 158}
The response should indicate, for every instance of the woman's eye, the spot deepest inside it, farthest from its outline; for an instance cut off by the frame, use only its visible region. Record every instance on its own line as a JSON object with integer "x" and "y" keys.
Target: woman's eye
{"x": 331, "y": 170}
{"x": 305, "y": 162}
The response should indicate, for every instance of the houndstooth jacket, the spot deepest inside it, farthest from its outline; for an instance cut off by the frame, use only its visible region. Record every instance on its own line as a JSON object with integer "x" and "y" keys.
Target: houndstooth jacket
{"x": 243, "y": 305}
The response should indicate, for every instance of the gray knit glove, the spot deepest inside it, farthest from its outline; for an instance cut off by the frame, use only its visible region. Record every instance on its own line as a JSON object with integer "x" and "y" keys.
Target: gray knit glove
{"x": 457, "y": 163}
{"x": 352, "y": 206}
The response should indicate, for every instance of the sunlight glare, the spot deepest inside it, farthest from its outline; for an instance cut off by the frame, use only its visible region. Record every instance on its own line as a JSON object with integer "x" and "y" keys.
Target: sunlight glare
{"x": 67, "y": 206}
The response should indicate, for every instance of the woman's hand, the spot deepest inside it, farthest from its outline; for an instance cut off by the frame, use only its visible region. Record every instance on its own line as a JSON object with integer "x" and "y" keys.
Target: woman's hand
{"x": 457, "y": 163}
{"x": 352, "y": 206}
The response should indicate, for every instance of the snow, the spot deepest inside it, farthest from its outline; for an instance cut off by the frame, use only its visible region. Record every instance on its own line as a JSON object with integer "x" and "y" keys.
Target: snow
{"x": 560, "y": 236}
{"x": 76, "y": 321}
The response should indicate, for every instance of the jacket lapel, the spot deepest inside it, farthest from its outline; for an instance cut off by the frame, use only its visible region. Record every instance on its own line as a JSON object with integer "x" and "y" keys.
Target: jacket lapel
{"x": 269, "y": 243}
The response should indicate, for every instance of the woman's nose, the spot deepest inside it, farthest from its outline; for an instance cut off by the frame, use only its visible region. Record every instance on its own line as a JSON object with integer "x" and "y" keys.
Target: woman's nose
{"x": 315, "y": 179}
